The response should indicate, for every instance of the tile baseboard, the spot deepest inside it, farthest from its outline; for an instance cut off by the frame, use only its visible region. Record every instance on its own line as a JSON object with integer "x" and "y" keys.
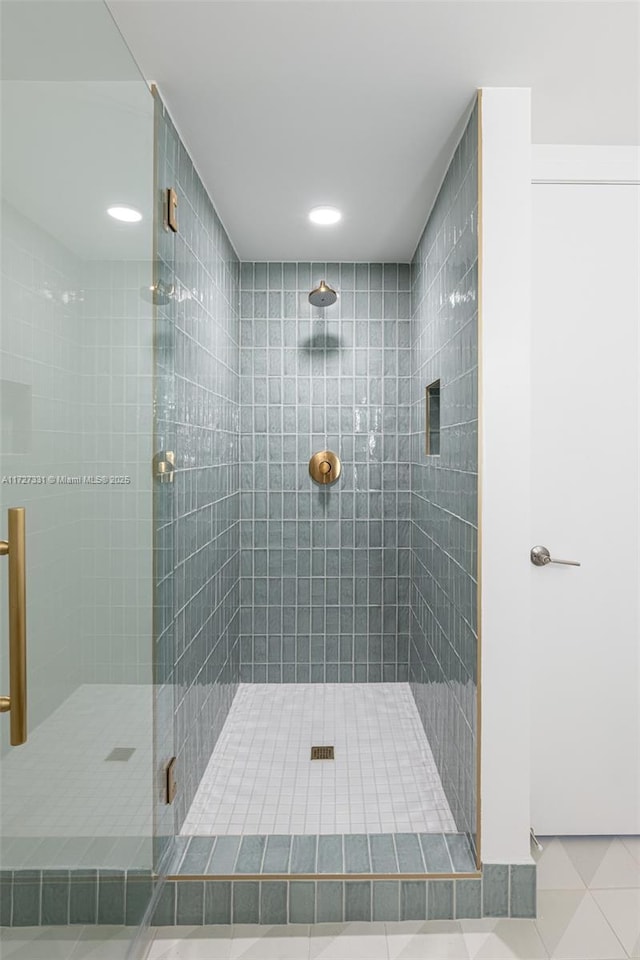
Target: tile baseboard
{"x": 62, "y": 897}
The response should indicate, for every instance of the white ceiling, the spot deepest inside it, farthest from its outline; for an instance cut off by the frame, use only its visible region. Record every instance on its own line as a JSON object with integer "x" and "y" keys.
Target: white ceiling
{"x": 77, "y": 127}
{"x": 70, "y": 150}
{"x": 284, "y": 105}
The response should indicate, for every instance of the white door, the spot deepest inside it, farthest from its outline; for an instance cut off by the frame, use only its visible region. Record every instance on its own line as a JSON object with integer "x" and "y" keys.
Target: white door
{"x": 585, "y": 643}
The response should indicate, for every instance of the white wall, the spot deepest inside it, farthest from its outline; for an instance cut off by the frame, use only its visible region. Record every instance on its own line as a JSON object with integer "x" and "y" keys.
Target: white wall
{"x": 585, "y": 749}
{"x": 505, "y": 415}
{"x": 582, "y": 770}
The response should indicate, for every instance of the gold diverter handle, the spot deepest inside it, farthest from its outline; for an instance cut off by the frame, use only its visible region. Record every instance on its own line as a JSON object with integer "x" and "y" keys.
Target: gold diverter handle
{"x": 325, "y": 467}
{"x": 16, "y": 702}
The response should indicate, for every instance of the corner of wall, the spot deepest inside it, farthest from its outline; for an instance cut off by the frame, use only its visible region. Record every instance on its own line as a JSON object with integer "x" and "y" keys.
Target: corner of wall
{"x": 505, "y": 308}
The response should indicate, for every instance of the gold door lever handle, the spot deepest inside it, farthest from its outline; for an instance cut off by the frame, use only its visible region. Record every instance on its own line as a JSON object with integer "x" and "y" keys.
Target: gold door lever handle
{"x": 16, "y": 703}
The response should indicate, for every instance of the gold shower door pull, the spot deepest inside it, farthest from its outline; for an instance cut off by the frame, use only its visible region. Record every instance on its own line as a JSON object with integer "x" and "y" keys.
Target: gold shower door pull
{"x": 16, "y": 703}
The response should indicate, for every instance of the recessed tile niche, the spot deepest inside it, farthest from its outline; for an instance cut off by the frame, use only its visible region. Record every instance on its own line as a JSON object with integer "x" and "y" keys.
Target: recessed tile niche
{"x": 432, "y": 419}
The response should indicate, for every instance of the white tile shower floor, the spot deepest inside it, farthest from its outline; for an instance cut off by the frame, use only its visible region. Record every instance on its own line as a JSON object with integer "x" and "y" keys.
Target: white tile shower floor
{"x": 260, "y": 778}
{"x": 63, "y": 803}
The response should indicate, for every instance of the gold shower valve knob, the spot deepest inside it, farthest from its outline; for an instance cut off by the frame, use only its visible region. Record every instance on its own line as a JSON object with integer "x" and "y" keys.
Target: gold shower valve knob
{"x": 325, "y": 467}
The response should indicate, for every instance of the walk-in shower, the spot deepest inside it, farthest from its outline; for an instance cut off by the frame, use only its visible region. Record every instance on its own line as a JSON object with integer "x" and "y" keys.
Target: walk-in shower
{"x": 253, "y": 637}
{"x": 322, "y": 610}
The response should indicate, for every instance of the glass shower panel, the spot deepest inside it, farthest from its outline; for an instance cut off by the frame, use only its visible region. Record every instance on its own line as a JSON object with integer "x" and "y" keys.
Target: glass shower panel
{"x": 76, "y": 421}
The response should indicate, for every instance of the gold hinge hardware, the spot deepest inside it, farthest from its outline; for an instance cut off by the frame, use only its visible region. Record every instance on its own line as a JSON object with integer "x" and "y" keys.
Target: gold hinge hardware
{"x": 171, "y": 784}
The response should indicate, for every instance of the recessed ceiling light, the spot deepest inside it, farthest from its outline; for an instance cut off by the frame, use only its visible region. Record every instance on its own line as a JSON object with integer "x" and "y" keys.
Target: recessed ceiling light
{"x": 126, "y": 214}
{"x": 325, "y": 215}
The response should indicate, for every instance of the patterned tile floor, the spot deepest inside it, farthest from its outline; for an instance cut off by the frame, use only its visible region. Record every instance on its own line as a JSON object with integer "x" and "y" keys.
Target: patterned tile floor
{"x": 260, "y": 778}
{"x": 589, "y": 909}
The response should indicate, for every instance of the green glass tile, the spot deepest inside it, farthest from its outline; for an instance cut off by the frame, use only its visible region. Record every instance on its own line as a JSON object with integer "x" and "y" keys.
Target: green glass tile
{"x": 375, "y": 276}
{"x": 197, "y": 854}
{"x": 329, "y": 901}
{"x": 246, "y": 901}
{"x": 330, "y": 854}
{"x": 224, "y": 855}
{"x": 383, "y": 853}
{"x": 386, "y": 900}
{"x": 6, "y": 899}
{"x": 276, "y": 857}
{"x": 302, "y": 901}
{"x": 273, "y": 901}
{"x": 190, "y": 902}
{"x": 413, "y": 900}
{"x": 111, "y": 885}
{"x": 356, "y": 853}
{"x": 138, "y": 891}
{"x": 409, "y": 853}
{"x": 523, "y": 891}
{"x": 55, "y": 897}
{"x": 460, "y": 852}
{"x": 436, "y": 854}
{"x": 303, "y": 854}
{"x": 357, "y": 900}
{"x": 164, "y": 913}
{"x": 217, "y": 901}
{"x": 26, "y": 898}
{"x": 83, "y": 897}
{"x": 250, "y": 854}
{"x": 260, "y": 275}
{"x": 495, "y": 890}
{"x": 440, "y": 900}
{"x": 468, "y": 899}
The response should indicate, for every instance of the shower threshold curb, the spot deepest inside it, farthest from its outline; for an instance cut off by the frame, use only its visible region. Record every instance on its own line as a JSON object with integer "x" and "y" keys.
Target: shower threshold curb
{"x": 239, "y": 877}
{"x": 498, "y": 890}
{"x": 50, "y": 897}
{"x": 291, "y": 856}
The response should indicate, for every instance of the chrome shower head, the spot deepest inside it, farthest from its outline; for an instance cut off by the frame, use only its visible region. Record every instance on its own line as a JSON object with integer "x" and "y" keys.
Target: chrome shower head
{"x": 322, "y": 296}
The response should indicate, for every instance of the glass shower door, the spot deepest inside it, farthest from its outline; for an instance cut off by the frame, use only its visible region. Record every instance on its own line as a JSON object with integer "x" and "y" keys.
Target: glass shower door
{"x": 76, "y": 429}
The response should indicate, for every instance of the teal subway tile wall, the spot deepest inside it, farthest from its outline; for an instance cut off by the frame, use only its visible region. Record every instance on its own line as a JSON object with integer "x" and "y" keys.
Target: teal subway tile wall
{"x": 325, "y": 570}
{"x": 197, "y": 517}
{"x": 444, "y": 488}
{"x": 315, "y": 584}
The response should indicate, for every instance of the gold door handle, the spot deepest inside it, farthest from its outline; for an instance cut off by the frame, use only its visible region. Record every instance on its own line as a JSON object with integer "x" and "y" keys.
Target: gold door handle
{"x": 16, "y": 702}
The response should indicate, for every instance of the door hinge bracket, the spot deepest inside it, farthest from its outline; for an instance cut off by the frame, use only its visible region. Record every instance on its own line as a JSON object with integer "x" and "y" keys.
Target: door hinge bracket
{"x": 171, "y": 786}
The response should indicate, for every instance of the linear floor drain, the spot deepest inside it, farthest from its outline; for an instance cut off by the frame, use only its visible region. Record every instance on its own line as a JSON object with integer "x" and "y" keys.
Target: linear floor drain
{"x": 322, "y": 753}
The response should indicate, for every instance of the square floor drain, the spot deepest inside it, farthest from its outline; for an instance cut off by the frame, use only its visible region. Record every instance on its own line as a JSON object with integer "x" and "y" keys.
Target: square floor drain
{"x": 121, "y": 753}
{"x": 322, "y": 753}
